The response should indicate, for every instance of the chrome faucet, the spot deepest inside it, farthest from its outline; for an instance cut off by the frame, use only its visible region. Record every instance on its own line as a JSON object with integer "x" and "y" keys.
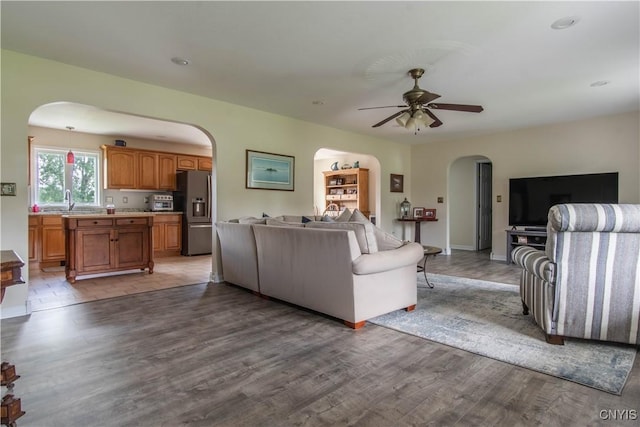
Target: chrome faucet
{"x": 67, "y": 197}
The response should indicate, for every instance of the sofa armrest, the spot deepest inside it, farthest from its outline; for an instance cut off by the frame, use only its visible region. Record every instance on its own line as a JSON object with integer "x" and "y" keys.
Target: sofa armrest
{"x": 381, "y": 261}
{"x": 536, "y": 262}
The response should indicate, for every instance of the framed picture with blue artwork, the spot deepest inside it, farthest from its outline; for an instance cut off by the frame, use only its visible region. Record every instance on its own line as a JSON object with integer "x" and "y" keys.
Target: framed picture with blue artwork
{"x": 269, "y": 171}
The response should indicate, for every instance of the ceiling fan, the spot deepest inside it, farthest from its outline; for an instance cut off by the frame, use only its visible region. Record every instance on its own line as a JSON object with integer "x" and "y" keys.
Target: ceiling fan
{"x": 416, "y": 112}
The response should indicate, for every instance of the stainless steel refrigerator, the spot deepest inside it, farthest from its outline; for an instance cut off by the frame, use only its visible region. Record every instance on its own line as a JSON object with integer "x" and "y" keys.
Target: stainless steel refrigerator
{"x": 193, "y": 198}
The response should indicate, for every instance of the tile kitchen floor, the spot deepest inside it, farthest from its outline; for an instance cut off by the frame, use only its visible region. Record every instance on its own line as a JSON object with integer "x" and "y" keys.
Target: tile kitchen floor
{"x": 50, "y": 289}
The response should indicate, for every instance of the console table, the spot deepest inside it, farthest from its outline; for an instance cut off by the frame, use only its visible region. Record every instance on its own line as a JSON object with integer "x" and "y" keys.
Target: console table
{"x": 11, "y": 273}
{"x": 417, "y": 222}
{"x": 534, "y": 238}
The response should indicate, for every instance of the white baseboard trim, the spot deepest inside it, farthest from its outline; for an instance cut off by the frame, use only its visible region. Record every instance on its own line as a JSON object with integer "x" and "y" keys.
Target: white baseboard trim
{"x": 214, "y": 277}
{"x": 463, "y": 247}
{"x": 495, "y": 257}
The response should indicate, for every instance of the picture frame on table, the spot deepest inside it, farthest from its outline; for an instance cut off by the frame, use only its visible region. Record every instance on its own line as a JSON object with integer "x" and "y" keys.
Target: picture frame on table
{"x": 269, "y": 171}
{"x": 418, "y": 212}
{"x": 429, "y": 213}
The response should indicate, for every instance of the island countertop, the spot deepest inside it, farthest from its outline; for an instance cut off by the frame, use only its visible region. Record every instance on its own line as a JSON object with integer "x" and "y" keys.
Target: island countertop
{"x": 68, "y": 214}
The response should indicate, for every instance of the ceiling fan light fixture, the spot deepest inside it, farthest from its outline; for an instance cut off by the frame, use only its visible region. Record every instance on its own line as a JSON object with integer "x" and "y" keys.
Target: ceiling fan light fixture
{"x": 403, "y": 119}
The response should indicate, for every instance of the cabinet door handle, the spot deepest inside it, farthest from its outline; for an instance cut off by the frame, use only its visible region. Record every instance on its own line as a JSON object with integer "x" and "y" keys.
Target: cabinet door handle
{"x": 95, "y": 222}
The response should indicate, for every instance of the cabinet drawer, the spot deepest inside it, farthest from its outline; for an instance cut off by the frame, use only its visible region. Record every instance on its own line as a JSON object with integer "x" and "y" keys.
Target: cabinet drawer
{"x": 95, "y": 222}
{"x": 34, "y": 220}
{"x": 132, "y": 221}
{"x": 52, "y": 220}
{"x": 166, "y": 219}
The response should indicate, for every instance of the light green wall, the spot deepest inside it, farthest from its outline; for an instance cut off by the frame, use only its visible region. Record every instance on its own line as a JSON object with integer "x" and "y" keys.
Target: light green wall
{"x": 601, "y": 144}
{"x": 28, "y": 82}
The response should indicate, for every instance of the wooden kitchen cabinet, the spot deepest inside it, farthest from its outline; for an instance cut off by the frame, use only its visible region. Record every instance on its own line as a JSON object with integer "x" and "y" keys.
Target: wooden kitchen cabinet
{"x": 34, "y": 238}
{"x": 107, "y": 243}
{"x": 120, "y": 167}
{"x": 167, "y": 166}
{"x": 52, "y": 241}
{"x": 167, "y": 235}
{"x": 148, "y": 171}
{"x": 187, "y": 163}
{"x": 205, "y": 164}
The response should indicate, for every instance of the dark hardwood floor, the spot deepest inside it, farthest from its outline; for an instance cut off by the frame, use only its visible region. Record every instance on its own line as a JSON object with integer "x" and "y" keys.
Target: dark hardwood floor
{"x": 217, "y": 355}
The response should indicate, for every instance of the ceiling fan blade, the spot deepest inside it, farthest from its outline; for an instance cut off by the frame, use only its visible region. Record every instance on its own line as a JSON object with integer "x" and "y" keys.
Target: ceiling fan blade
{"x": 391, "y": 117}
{"x": 427, "y": 97}
{"x": 388, "y": 106}
{"x": 457, "y": 107}
{"x": 436, "y": 121}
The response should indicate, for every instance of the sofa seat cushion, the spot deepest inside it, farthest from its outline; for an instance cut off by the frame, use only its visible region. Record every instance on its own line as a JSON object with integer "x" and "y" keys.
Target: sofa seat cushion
{"x": 364, "y": 233}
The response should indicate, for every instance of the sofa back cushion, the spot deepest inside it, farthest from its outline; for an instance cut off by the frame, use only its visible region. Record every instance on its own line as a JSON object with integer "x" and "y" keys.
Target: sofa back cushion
{"x": 384, "y": 240}
{"x": 364, "y": 233}
{"x": 279, "y": 223}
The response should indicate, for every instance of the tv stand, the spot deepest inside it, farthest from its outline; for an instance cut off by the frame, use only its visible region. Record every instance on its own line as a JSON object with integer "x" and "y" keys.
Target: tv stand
{"x": 535, "y": 237}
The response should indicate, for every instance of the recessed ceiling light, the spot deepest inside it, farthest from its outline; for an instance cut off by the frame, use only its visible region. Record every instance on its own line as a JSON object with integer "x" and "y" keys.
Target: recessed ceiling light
{"x": 180, "y": 61}
{"x": 317, "y": 102}
{"x": 600, "y": 83}
{"x": 566, "y": 22}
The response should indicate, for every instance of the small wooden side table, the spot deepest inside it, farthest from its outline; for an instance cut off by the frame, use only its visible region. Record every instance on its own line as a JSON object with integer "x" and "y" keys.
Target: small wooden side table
{"x": 428, "y": 251}
{"x": 417, "y": 222}
{"x": 11, "y": 273}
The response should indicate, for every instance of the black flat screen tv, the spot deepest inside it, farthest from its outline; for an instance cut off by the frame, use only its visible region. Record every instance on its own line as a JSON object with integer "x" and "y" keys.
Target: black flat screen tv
{"x": 531, "y": 198}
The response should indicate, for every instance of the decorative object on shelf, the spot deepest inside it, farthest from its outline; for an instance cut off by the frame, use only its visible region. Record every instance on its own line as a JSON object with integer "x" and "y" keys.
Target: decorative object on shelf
{"x": 418, "y": 212}
{"x": 332, "y": 210}
{"x": 523, "y": 240}
{"x": 8, "y": 188}
{"x": 397, "y": 183}
{"x": 269, "y": 171}
{"x": 429, "y": 213}
{"x": 346, "y": 166}
{"x": 356, "y": 164}
{"x": 121, "y": 143}
{"x": 405, "y": 209}
{"x": 334, "y": 166}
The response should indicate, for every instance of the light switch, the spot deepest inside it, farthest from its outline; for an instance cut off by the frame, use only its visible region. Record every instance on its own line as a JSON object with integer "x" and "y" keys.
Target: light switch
{"x": 440, "y": 199}
{"x": 498, "y": 198}
{"x": 108, "y": 199}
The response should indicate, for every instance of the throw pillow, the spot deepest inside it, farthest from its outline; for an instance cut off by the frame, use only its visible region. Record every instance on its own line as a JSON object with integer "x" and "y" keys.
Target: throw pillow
{"x": 306, "y": 219}
{"x": 252, "y": 220}
{"x": 364, "y": 233}
{"x": 345, "y": 216}
{"x": 358, "y": 216}
{"x": 264, "y": 215}
{"x": 386, "y": 241}
{"x": 327, "y": 218}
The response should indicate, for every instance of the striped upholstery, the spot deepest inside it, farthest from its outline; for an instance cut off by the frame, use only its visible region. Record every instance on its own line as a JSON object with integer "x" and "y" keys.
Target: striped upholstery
{"x": 587, "y": 282}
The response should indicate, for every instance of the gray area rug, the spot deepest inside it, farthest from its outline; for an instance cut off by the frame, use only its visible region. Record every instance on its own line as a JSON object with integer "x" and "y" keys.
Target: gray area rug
{"x": 486, "y": 318}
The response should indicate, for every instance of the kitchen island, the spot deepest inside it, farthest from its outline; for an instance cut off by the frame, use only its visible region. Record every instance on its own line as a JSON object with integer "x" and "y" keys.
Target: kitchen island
{"x": 104, "y": 243}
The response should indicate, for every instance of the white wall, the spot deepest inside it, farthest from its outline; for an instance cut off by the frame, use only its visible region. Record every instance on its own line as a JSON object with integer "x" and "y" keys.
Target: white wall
{"x": 29, "y": 82}
{"x": 601, "y": 144}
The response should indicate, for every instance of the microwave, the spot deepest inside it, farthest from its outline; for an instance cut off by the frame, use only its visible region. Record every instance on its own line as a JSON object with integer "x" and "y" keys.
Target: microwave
{"x": 161, "y": 202}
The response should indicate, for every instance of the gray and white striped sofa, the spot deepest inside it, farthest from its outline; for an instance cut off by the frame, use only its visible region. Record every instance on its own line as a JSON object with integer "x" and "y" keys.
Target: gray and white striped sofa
{"x": 586, "y": 284}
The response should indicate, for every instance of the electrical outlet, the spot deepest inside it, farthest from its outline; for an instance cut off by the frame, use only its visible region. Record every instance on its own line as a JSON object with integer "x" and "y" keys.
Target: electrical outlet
{"x": 125, "y": 199}
{"x": 499, "y": 198}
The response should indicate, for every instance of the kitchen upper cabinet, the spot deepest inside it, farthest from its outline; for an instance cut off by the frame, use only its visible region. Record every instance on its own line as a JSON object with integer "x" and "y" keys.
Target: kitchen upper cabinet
{"x": 167, "y": 171}
{"x": 148, "y": 171}
{"x": 187, "y": 163}
{"x": 135, "y": 169}
{"x": 205, "y": 164}
{"x": 120, "y": 168}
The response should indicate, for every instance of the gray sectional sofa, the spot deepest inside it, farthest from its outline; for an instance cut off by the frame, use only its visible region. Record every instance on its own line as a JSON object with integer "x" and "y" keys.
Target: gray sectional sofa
{"x": 349, "y": 270}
